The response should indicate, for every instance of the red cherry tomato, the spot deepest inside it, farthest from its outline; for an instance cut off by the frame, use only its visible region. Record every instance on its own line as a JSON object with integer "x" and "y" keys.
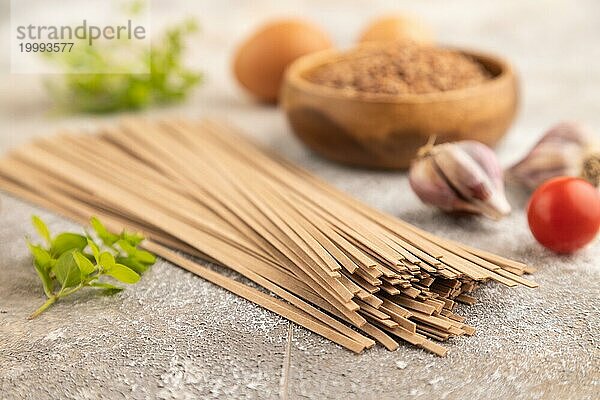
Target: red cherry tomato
{"x": 564, "y": 214}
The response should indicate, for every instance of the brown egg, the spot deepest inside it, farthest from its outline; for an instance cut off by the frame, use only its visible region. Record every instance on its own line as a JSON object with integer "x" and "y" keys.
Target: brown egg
{"x": 261, "y": 60}
{"x": 397, "y": 28}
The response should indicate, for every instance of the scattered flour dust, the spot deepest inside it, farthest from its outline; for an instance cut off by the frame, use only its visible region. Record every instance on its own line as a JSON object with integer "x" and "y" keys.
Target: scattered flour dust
{"x": 55, "y": 334}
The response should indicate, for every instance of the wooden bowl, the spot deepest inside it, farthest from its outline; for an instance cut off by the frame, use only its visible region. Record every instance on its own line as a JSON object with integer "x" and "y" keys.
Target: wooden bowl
{"x": 385, "y": 131}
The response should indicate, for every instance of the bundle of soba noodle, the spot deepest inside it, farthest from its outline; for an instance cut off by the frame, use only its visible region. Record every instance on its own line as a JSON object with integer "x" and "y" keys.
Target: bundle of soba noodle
{"x": 200, "y": 190}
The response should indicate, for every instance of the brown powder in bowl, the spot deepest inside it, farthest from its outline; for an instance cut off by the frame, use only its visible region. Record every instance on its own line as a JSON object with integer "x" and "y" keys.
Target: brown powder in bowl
{"x": 400, "y": 70}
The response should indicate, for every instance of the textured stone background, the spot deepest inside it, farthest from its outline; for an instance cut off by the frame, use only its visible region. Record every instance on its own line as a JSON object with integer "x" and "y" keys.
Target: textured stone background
{"x": 175, "y": 336}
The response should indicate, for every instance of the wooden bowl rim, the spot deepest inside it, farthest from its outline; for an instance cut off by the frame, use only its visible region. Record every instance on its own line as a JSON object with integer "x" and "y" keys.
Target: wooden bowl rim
{"x": 294, "y": 77}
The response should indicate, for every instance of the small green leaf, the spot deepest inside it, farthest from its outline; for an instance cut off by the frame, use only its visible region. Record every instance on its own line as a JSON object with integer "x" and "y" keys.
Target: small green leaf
{"x": 95, "y": 249}
{"x": 123, "y": 273}
{"x": 127, "y": 247}
{"x": 133, "y": 239}
{"x": 40, "y": 255}
{"x": 42, "y": 264}
{"x": 66, "y": 242}
{"x": 45, "y": 278}
{"x": 108, "y": 238}
{"x": 132, "y": 263}
{"x": 105, "y": 285}
{"x": 41, "y": 229}
{"x": 145, "y": 257}
{"x": 66, "y": 270}
{"x": 85, "y": 266}
{"x": 97, "y": 225}
{"x": 107, "y": 260}
{"x": 108, "y": 288}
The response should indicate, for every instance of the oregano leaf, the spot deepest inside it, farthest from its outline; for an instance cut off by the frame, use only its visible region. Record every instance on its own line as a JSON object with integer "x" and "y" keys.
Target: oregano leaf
{"x": 127, "y": 247}
{"x": 42, "y": 264}
{"x": 85, "y": 266}
{"x": 133, "y": 239}
{"x": 98, "y": 226}
{"x": 42, "y": 229}
{"x": 44, "y": 276}
{"x": 105, "y": 285}
{"x": 107, "y": 238}
{"x": 95, "y": 249}
{"x": 122, "y": 273}
{"x": 66, "y": 242}
{"x": 107, "y": 260}
{"x": 66, "y": 270}
{"x": 108, "y": 288}
{"x": 40, "y": 255}
{"x": 145, "y": 257}
{"x": 132, "y": 263}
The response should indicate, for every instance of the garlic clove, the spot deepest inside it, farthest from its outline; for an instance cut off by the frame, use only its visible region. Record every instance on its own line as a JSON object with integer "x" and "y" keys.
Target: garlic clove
{"x": 568, "y": 132}
{"x": 487, "y": 160}
{"x": 431, "y": 187}
{"x": 567, "y": 149}
{"x": 482, "y": 155}
{"x": 471, "y": 180}
{"x": 462, "y": 176}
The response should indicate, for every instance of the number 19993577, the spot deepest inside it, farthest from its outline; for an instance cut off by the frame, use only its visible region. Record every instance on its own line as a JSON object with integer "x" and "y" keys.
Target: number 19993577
{"x": 34, "y": 47}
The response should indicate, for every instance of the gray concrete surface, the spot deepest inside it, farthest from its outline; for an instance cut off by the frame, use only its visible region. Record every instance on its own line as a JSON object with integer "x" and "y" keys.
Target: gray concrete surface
{"x": 175, "y": 336}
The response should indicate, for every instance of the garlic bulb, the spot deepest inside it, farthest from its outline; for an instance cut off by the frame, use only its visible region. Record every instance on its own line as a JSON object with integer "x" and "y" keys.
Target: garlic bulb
{"x": 460, "y": 176}
{"x": 567, "y": 149}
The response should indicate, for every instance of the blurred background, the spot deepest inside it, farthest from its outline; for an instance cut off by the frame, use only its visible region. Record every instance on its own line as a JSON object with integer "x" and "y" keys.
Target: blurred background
{"x": 554, "y": 45}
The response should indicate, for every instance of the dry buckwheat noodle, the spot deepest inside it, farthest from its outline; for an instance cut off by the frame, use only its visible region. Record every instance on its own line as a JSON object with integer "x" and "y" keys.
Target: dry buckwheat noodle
{"x": 201, "y": 190}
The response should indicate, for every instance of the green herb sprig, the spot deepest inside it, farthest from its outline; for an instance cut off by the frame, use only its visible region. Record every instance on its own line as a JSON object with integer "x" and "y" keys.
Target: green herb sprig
{"x": 69, "y": 262}
{"x": 168, "y": 79}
